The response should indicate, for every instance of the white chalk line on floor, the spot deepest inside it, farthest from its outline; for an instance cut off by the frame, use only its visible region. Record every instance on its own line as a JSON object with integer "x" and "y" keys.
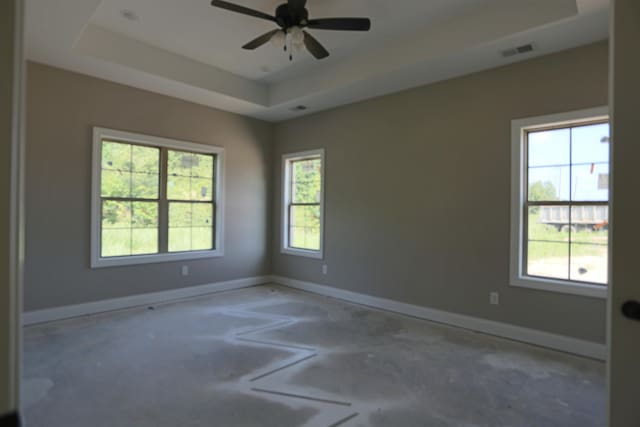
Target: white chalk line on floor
{"x": 302, "y": 354}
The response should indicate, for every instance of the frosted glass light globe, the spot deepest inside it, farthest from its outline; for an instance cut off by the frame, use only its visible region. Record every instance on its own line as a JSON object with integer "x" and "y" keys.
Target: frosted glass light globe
{"x": 278, "y": 39}
{"x": 297, "y": 35}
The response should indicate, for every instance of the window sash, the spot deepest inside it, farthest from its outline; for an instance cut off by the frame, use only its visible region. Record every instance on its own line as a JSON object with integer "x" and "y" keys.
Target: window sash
{"x": 288, "y": 205}
{"x": 289, "y": 216}
{"x": 162, "y": 200}
{"x": 526, "y": 203}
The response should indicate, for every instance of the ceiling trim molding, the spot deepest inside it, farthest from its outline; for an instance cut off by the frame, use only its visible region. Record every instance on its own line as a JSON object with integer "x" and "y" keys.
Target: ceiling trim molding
{"x": 109, "y": 46}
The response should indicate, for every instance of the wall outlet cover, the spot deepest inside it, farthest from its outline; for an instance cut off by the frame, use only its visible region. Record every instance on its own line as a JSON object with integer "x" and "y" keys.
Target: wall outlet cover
{"x": 494, "y": 298}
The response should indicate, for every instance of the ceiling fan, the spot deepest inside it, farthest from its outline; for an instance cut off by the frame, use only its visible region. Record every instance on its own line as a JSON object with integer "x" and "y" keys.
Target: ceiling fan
{"x": 292, "y": 18}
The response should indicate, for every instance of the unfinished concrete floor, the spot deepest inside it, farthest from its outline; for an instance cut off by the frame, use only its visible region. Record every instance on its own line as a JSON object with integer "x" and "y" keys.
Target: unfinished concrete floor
{"x": 272, "y": 357}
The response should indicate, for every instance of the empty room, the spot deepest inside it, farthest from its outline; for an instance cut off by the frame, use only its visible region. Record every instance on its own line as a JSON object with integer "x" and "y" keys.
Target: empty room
{"x": 320, "y": 213}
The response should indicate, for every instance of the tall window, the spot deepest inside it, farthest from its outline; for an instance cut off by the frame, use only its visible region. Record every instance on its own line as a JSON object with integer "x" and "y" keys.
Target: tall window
{"x": 154, "y": 199}
{"x": 562, "y": 196}
{"x": 302, "y": 228}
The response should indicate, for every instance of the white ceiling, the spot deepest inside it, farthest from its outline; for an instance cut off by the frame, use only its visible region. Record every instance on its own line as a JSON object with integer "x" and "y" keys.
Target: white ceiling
{"x": 190, "y": 50}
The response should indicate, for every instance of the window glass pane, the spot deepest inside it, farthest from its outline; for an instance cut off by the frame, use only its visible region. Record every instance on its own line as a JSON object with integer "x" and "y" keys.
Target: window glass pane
{"x": 115, "y": 183}
{"x": 590, "y": 182}
{"x": 116, "y": 214}
{"x": 144, "y": 241}
{"x": 304, "y": 227}
{"x": 118, "y": 160}
{"x": 190, "y": 176}
{"x": 590, "y": 144}
{"x": 129, "y": 228}
{"x": 145, "y": 215}
{"x": 590, "y": 224}
{"x": 202, "y": 215}
{"x": 306, "y": 181}
{"x": 589, "y": 237}
{"x": 202, "y": 238}
{"x": 190, "y": 226}
{"x": 202, "y": 166}
{"x": 549, "y": 147}
{"x": 178, "y": 188}
{"x": 145, "y": 185}
{"x": 145, "y": 159}
{"x": 548, "y": 223}
{"x": 549, "y": 183}
{"x": 589, "y": 263}
{"x": 179, "y": 239}
{"x": 201, "y": 189}
{"x": 548, "y": 259}
{"x": 116, "y": 156}
{"x": 116, "y": 242}
{"x": 179, "y": 214}
{"x": 179, "y": 163}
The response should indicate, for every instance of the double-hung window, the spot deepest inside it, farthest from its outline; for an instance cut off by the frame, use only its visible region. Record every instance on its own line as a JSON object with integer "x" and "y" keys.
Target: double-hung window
{"x": 303, "y": 203}
{"x": 560, "y": 202}
{"x": 154, "y": 199}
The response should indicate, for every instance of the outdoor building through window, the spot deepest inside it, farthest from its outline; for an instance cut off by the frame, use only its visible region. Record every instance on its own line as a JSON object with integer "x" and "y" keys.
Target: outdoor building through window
{"x": 154, "y": 199}
{"x": 562, "y": 198}
{"x": 303, "y": 203}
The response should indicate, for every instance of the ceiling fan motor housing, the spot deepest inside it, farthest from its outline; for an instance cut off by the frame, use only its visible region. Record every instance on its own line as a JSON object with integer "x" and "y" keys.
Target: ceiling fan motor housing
{"x": 288, "y": 17}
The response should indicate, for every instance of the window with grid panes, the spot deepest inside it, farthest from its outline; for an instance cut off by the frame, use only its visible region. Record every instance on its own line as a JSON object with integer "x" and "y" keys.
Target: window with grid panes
{"x": 564, "y": 201}
{"x": 157, "y": 199}
{"x": 303, "y": 203}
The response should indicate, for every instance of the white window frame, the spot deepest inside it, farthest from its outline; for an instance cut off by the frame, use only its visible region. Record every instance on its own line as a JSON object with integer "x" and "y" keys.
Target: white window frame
{"x": 100, "y": 134}
{"x": 519, "y": 128}
{"x": 287, "y": 159}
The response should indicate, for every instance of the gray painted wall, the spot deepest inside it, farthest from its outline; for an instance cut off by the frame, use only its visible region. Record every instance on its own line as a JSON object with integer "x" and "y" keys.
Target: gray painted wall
{"x": 403, "y": 172}
{"x": 62, "y": 107}
{"x": 417, "y": 191}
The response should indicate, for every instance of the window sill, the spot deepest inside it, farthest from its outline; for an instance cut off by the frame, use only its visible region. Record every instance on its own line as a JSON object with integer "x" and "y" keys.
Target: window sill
{"x": 302, "y": 253}
{"x": 152, "y": 259}
{"x": 559, "y": 286}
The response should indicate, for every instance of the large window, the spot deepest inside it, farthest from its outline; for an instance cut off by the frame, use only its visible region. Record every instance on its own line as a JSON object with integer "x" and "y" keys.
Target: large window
{"x": 561, "y": 202}
{"x": 302, "y": 210}
{"x": 154, "y": 199}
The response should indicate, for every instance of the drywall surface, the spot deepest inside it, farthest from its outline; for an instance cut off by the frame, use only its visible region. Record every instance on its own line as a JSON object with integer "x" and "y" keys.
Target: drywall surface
{"x": 62, "y": 108}
{"x": 418, "y": 191}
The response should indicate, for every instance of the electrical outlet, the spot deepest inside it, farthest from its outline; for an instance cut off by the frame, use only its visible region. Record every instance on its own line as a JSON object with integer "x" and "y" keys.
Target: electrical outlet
{"x": 324, "y": 268}
{"x": 185, "y": 270}
{"x": 494, "y": 298}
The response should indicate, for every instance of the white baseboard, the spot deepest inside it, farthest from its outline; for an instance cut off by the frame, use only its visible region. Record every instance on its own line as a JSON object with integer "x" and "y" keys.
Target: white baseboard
{"x": 66, "y": 312}
{"x": 516, "y": 333}
{"x": 504, "y": 330}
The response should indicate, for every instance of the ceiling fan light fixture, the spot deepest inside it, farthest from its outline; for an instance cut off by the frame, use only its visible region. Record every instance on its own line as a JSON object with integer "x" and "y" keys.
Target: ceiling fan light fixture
{"x": 293, "y": 20}
{"x": 279, "y": 39}
{"x": 297, "y": 35}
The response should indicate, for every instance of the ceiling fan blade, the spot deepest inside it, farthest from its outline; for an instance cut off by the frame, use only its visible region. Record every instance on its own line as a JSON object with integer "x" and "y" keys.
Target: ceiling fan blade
{"x": 259, "y": 41}
{"x": 241, "y": 9}
{"x": 340, "y": 24}
{"x": 314, "y": 46}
